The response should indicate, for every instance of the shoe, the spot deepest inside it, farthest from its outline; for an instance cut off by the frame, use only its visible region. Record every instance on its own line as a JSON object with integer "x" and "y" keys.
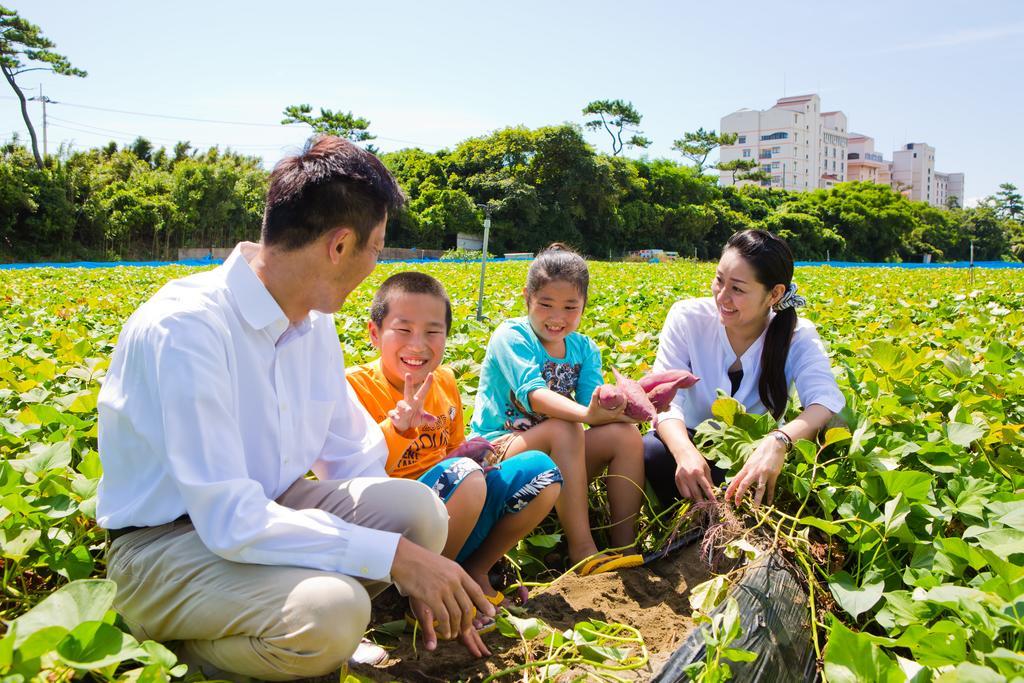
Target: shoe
{"x": 609, "y": 563}
{"x": 368, "y": 652}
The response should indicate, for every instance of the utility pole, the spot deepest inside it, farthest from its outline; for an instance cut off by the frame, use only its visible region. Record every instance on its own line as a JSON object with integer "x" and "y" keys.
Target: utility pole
{"x": 44, "y": 99}
{"x": 488, "y": 208}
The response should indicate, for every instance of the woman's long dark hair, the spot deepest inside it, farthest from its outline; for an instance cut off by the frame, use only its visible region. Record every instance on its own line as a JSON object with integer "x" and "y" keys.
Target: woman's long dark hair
{"x": 772, "y": 263}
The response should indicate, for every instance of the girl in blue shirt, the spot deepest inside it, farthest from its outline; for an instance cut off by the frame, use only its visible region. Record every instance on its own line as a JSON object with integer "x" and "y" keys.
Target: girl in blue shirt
{"x": 537, "y": 391}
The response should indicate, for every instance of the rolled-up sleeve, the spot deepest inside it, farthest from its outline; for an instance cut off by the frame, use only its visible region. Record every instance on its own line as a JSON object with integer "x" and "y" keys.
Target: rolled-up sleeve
{"x": 812, "y": 372}
{"x": 674, "y": 354}
{"x": 590, "y": 373}
{"x": 514, "y": 357}
{"x": 204, "y": 455}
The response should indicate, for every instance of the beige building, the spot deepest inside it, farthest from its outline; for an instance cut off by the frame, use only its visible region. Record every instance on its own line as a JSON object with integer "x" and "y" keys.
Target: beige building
{"x": 795, "y": 143}
{"x": 863, "y": 163}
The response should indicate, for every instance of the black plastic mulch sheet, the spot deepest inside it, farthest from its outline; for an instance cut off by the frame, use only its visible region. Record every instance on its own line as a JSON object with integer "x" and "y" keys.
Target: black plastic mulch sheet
{"x": 776, "y": 625}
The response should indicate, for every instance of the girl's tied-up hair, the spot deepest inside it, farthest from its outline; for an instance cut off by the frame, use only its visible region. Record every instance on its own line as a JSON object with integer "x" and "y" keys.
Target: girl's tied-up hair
{"x": 558, "y": 263}
{"x": 772, "y": 262}
{"x": 790, "y": 299}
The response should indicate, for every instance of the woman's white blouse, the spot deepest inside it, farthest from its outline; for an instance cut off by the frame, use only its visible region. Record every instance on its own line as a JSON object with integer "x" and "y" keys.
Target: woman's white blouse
{"x": 694, "y": 339}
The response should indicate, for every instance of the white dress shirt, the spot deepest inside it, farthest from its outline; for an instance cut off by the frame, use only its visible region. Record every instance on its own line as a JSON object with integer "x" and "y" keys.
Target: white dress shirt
{"x": 214, "y": 405}
{"x": 694, "y": 339}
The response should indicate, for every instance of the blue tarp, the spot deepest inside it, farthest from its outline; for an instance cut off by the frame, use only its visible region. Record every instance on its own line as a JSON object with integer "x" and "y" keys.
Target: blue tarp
{"x": 211, "y": 262}
{"x": 913, "y": 266}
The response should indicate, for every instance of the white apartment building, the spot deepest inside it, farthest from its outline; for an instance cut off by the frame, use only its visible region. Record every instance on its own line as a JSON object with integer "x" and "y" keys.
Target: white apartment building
{"x": 913, "y": 172}
{"x": 803, "y": 148}
{"x": 798, "y": 145}
{"x": 949, "y": 185}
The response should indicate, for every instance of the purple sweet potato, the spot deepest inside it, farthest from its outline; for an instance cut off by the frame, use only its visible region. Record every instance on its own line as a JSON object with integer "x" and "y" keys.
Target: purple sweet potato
{"x": 661, "y": 394}
{"x": 609, "y": 396}
{"x": 638, "y": 406}
{"x": 683, "y": 378}
{"x": 477, "y": 448}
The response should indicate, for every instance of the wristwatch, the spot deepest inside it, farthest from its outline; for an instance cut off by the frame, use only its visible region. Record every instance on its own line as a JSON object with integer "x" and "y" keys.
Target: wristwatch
{"x": 783, "y": 438}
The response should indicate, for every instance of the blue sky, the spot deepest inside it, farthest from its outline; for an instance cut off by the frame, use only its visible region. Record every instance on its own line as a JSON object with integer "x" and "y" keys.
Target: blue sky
{"x": 432, "y": 74}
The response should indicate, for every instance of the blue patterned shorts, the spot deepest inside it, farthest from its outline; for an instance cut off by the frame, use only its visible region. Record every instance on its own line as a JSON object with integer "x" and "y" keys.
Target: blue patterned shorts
{"x": 511, "y": 486}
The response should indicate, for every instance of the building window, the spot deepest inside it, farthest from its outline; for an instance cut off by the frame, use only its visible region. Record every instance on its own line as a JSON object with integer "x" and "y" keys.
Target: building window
{"x": 746, "y": 152}
{"x": 775, "y": 164}
{"x": 742, "y": 140}
{"x": 776, "y": 150}
{"x": 776, "y": 136}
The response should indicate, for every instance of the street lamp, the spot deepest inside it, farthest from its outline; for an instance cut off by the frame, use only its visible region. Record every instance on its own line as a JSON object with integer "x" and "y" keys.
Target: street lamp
{"x": 488, "y": 208}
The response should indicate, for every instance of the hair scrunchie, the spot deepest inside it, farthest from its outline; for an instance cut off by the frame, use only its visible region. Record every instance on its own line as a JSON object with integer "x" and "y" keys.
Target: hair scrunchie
{"x": 790, "y": 299}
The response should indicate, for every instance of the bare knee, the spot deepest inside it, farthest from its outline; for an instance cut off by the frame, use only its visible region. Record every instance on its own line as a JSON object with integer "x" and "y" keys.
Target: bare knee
{"x": 470, "y": 494}
{"x": 564, "y": 437}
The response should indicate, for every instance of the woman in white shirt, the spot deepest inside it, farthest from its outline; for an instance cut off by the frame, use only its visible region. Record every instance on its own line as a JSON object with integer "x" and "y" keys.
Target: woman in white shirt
{"x": 748, "y": 341}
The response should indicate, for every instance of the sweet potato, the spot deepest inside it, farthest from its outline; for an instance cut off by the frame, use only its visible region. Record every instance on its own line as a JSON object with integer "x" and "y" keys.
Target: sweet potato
{"x": 609, "y": 396}
{"x": 682, "y": 378}
{"x": 638, "y": 406}
{"x": 662, "y": 393}
{"x": 477, "y": 448}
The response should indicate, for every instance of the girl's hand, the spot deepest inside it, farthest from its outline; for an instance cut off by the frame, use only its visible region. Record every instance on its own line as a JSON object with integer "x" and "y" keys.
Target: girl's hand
{"x": 597, "y": 415}
{"x": 760, "y": 472}
{"x": 693, "y": 477}
{"x": 408, "y": 413}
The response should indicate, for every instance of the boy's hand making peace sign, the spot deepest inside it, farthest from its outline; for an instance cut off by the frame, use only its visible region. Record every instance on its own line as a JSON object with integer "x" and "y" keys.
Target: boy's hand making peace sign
{"x": 408, "y": 414}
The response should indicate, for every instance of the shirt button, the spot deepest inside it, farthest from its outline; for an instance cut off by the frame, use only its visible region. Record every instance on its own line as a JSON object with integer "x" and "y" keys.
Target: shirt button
{"x": 364, "y": 571}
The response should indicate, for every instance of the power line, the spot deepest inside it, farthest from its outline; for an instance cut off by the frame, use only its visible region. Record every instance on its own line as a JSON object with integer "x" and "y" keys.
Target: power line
{"x": 218, "y": 121}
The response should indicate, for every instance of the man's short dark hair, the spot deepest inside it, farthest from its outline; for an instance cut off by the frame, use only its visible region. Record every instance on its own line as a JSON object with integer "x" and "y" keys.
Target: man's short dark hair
{"x": 409, "y": 282}
{"x": 332, "y": 183}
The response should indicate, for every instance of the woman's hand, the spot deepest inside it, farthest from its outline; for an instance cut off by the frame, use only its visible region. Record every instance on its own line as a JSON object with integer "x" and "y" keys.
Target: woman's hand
{"x": 693, "y": 476}
{"x": 759, "y": 472}
{"x": 408, "y": 413}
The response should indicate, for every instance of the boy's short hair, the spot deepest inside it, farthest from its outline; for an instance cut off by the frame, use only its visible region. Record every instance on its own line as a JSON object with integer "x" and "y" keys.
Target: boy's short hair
{"x": 331, "y": 183}
{"x": 409, "y": 282}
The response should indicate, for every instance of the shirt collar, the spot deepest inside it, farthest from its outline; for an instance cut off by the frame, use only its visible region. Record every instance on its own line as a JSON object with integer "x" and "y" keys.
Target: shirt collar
{"x": 751, "y": 357}
{"x": 255, "y": 303}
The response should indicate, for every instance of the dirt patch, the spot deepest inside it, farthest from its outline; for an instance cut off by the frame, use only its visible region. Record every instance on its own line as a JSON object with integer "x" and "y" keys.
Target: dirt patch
{"x": 653, "y": 599}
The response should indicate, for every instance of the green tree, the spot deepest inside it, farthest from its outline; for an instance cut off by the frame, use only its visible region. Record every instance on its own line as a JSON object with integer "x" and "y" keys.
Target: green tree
{"x": 743, "y": 169}
{"x": 22, "y": 44}
{"x": 696, "y": 146}
{"x": 1008, "y": 203}
{"x": 343, "y": 124}
{"x": 616, "y": 117}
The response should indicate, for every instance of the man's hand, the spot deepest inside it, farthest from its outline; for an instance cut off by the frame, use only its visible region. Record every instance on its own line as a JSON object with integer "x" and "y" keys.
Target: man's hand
{"x": 693, "y": 477}
{"x": 408, "y": 413}
{"x": 439, "y": 590}
{"x": 760, "y": 472}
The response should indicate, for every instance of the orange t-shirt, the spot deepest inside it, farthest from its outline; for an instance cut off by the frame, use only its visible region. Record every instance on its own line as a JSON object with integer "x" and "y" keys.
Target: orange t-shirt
{"x": 413, "y": 452}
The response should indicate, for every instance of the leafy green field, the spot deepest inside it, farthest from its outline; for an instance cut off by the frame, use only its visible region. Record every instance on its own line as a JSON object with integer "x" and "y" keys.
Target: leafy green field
{"x": 907, "y": 525}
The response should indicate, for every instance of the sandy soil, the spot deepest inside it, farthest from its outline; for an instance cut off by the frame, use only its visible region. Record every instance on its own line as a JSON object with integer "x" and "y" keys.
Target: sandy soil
{"x": 652, "y": 599}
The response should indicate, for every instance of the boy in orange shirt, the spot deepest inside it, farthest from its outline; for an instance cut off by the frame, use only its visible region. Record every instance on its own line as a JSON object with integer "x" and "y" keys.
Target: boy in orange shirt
{"x": 417, "y": 404}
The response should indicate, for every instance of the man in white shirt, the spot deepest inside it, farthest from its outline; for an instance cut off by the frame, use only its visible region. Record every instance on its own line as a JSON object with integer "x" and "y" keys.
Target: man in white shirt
{"x": 224, "y": 390}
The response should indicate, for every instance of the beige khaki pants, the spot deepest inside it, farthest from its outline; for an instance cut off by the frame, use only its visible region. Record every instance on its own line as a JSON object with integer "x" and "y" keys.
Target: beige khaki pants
{"x": 268, "y": 622}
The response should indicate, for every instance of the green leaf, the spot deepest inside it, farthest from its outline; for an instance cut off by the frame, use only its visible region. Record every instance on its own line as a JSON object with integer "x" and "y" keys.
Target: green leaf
{"x": 514, "y": 627}
{"x": 546, "y": 541}
{"x": 913, "y": 485}
{"x": 94, "y": 645}
{"x": 852, "y": 658}
{"x": 963, "y": 434}
{"x": 17, "y": 544}
{"x": 853, "y": 598}
{"x": 1003, "y": 542}
{"x": 836, "y": 435}
{"x": 830, "y": 528}
{"x": 704, "y": 597}
{"x": 67, "y": 607}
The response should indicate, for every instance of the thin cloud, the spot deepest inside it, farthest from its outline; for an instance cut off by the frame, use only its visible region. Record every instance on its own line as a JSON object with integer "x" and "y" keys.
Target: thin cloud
{"x": 964, "y": 37}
